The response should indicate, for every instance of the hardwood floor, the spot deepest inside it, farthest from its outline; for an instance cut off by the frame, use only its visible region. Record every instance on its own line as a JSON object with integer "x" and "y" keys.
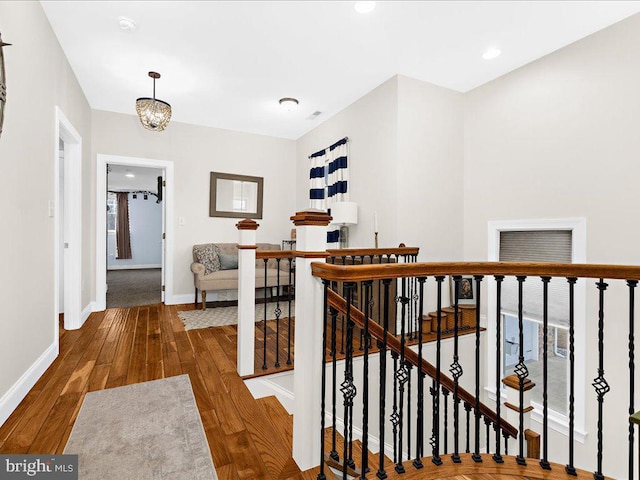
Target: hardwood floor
{"x": 248, "y": 438}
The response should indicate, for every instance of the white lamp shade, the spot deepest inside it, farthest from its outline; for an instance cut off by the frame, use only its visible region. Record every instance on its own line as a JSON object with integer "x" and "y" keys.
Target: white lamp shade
{"x": 344, "y": 213}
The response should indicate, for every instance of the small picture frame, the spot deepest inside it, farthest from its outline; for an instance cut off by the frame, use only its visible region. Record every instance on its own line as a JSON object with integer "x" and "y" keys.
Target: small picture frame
{"x": 466, "y": 291}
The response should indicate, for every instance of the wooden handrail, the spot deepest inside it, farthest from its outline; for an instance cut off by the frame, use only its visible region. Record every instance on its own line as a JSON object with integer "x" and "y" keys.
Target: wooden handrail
{"x": 275, "y": 254}
{"x": 356, "y": 273}
{"x": 367, "y": 252}
{"x": 376, "y": 331}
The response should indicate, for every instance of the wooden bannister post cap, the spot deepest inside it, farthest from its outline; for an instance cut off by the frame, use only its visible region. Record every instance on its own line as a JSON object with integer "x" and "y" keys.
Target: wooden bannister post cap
{"x": 512, "y": 381}
{"x": 312, "y": 217}
{"x": 247, "y": 224}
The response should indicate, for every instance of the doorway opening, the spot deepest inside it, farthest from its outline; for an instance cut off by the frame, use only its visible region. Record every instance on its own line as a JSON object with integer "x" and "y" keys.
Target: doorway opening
{"x": 134, "y": 267}
{"x": 135, "y": 214}
{"x": 67, "y": 209}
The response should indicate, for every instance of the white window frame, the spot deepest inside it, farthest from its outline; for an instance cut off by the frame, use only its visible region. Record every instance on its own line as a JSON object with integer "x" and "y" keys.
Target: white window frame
{"x": 578, "y": 228}
{"x": 109, "y": 196}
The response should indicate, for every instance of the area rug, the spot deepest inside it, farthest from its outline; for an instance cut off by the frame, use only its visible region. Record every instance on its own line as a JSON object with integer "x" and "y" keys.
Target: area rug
{"x": 149, "y": 430}
{"x": 132, "y": 288}
{"x": 219, "y": 316}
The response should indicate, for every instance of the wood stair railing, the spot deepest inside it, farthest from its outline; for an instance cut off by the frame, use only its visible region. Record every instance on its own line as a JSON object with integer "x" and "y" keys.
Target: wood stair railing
{"x": 377, "y": 332}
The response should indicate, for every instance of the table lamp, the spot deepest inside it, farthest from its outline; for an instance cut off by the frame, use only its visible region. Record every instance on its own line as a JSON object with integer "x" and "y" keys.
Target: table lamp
{"x": 344, "y": 214}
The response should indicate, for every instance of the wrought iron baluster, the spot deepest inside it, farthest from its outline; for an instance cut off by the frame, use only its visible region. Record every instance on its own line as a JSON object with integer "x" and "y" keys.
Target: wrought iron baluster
{"x": 347, "y": 387}
{"x": 334, "y": 391}
{"x": 487, "y": 424}
{"x": 506, "y": 443}
{"x": 496, "y": 456}
{"x": 456, "y": 372}
{"x": 435, "y": 391}
{"x": 544, "y": 462}
{"x": 476, "y": 452}
{"x": 402, "y": 373}
{"x": 321, "y": 475}
{"x": 382, "y": 474}
{"x": 570, "y": 469}
{"x": 417, "y": 462}
{"x": 632, "y": 284}
{"x": 600, "y": 383}
{"x": 521, "y": 371}
{"x": 365, "y": 382}
{"x": 278, "y": 312}
{"x": 290, "y": 297}
{"x": 395, "y": 417}
{"x": 409, "y": 368}
{"x": 445, "y": 394}
{"x": 264, "y": 331}
{"x": 467, "y": 408}
{"x": 344, "y": 262}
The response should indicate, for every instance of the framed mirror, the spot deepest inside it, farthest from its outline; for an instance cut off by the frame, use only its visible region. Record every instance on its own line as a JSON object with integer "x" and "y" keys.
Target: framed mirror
{"x": 235, "y": 196}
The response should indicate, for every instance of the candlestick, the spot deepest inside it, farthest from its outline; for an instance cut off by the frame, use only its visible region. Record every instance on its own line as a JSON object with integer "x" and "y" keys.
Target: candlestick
{"x": 376, "y": 239}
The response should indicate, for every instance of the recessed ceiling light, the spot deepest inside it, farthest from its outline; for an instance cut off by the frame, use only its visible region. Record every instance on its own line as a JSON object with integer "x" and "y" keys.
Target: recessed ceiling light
{"x": 129, "y": 174}
{"x": 126, "y": 24}
{"x": 364, "y": 7}
{"x": 289, "y": 103}
{"x": 491, "y": 53}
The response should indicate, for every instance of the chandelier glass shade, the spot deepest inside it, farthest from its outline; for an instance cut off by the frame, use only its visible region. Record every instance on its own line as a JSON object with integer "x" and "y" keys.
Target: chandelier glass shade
{"x": 154, "y": 113}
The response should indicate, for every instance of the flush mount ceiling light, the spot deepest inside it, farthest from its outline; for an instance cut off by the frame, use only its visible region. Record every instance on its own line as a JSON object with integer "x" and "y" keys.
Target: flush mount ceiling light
{"x": 126, "y": 24}
{"x": 289, "y": 103}
{"x": 491, "y": 53}
{"x": 364, "y": 7}
{"x": 154, "y": 113}
{"x": 129, "y": 174}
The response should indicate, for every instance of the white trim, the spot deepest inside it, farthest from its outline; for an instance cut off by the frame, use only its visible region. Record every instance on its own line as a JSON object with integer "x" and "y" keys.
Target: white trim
{"x": 101, "y": 221}
{"x": 183, "y": 298}
{"x": 65, "y": 131}
{"x": 578, "y": 227}
{"x": 12, "y": 398}
{"x": 134, "y": 267}
{"x": 86, "y": 311}
{"x": 265, "y": 386}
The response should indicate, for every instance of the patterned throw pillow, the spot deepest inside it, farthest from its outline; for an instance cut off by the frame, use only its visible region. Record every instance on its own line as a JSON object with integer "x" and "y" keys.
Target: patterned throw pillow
{"x": 208, "y": 255}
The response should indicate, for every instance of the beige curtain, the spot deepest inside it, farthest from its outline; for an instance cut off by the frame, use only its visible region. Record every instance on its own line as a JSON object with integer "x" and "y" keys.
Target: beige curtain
{"x": 123, "y": 240}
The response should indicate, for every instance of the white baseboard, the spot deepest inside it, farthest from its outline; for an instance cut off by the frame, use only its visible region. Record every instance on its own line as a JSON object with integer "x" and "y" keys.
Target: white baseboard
{"x": 19, "y": 390}
{"x": 86, "y": 311}
{"x": 133, "y": 267}
{"x": 181, "y": 298}
{"x": 266, "y": 386}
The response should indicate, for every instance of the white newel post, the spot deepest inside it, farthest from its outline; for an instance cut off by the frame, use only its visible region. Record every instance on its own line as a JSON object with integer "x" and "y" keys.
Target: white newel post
{"x": 246, "y": 295}
{"x": 311, "y": 245}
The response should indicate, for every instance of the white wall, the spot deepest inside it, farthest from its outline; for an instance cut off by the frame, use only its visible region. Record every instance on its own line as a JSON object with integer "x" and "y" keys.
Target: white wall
{"x": 145, "y": 223}
{"x": 27, "y": 166}
{"x": 559, "y": 138}
{"x": 197, "y": 151}
{"x": 371, "y": 124}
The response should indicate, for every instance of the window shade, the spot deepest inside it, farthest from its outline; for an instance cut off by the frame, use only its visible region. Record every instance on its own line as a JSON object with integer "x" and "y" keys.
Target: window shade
{"x": 546, "y": 246}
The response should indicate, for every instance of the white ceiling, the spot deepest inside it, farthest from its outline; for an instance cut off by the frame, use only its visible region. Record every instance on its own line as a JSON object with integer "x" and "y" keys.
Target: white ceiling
{"x": 145, "y": 178}
{"x": 226, "y": 63}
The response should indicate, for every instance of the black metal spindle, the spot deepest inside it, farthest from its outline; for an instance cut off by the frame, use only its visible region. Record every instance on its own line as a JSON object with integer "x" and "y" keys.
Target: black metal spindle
{"x": 487, "y": 425}
{"x": 334, "y": 391}
{"x": 382, "y": 474}
{"x": 467, "y": 408}
{"x": 365, "y": 382}
{"x": 632, "y": 368}
{"x": 521, "y": 371}
{"x": 499, "y": 279}
{"x": 569, "y": 468}
{"x": 321, "y": 475}
{"x": 506, "y": 442}
{"x": 289, "y": 298}
{"x": 435, "y": 390}
{"x": 278, "y": 312}
{"x": 600, "y": 383}
{"x": 544, "y": 462}
{"x": 395, "y": 418}
{"x": 417, "y": 462}
{"x": 476, "y": 452}
{"x": 409, "y": 368}
{"x": 347, "y": 387}
{"x": 402, "y": 374}
{"x": 456, "y": 372}
{"x": 445, "y": 394}
{"x": 264, "y": 331}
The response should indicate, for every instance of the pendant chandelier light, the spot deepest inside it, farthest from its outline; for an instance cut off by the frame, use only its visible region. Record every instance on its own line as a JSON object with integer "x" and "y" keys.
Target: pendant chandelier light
{"x": 154, "y": 113}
